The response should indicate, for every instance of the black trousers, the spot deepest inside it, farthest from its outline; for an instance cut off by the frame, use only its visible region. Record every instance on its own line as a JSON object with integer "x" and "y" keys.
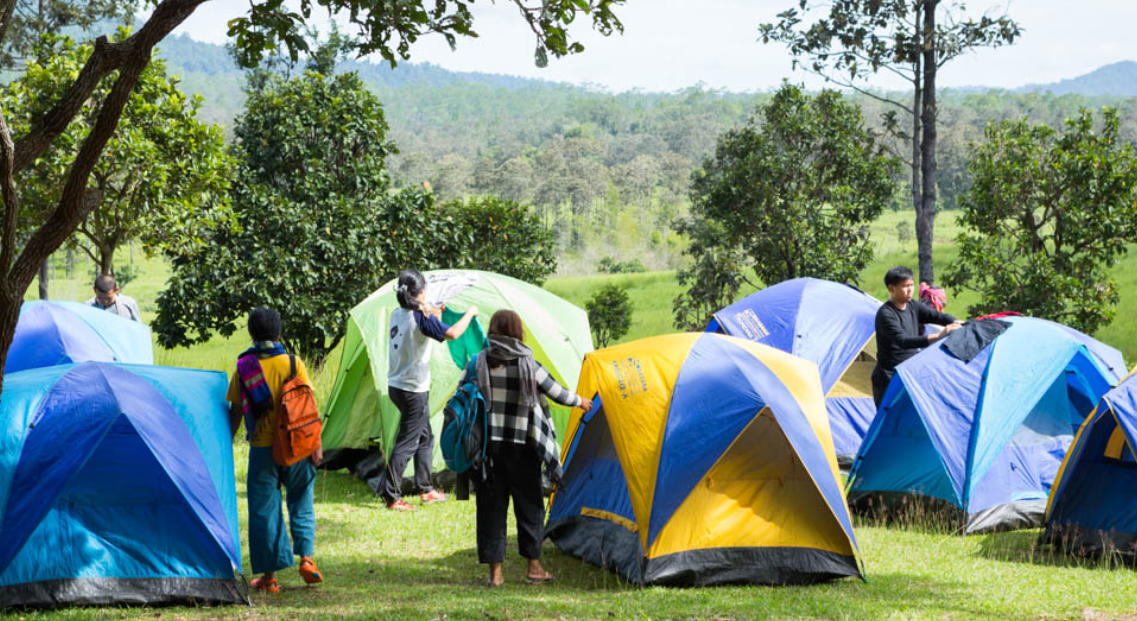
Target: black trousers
{"x": 513, "y": 471}
{"x": 415, "y": 439}
{"x": 880, "y": 380}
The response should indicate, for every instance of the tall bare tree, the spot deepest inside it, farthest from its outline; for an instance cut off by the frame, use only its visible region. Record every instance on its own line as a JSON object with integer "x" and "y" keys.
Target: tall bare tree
{"x": 912, "y": 39}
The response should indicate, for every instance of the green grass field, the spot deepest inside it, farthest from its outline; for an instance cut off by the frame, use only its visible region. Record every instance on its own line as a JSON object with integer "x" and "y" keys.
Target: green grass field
{"x": 381, "y": 565}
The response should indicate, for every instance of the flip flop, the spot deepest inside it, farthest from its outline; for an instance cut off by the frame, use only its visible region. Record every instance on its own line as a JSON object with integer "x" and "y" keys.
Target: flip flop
{"x": 548, "y": 577}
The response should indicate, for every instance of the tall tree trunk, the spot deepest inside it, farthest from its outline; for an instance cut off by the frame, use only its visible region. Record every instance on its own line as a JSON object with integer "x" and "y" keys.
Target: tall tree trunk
{"x": 926, "y": 218}
{"x": 44, "y": 278}
{"x": 106, "y": 261}
{"x": 917, "y": 102}
{"x": 9, "y": 316}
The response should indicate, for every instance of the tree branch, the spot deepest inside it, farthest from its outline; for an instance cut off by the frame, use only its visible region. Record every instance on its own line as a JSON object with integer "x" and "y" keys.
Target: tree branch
{"x": 866, "y": 93}
{"x": 106, "y": 58}
{"x": 73, "y": 206}
{"x": 6, "y": 9}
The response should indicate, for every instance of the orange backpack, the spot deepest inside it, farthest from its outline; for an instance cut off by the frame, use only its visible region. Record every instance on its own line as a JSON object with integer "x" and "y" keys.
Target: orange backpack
{"x": 299, "y": 427}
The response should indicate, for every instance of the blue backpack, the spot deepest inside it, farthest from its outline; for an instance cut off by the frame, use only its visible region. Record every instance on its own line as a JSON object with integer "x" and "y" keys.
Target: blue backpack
{"x": 465, "y": 425}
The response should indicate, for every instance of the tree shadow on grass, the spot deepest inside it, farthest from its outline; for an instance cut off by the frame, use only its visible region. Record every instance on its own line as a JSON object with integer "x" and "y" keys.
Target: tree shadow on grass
{"x": 1025, "y": 546}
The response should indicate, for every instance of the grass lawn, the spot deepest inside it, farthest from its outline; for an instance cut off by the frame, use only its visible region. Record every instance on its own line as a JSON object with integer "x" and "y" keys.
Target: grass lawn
{"x": 424, "y": 566}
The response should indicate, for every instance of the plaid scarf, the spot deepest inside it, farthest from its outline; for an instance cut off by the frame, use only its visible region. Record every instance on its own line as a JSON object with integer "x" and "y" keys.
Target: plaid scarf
{"x": 533, "y": 413}
{"x": 256, "y": 396}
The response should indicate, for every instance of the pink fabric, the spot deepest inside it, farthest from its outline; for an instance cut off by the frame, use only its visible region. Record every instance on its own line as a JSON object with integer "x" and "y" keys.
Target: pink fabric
{"x": 933, "y": 295}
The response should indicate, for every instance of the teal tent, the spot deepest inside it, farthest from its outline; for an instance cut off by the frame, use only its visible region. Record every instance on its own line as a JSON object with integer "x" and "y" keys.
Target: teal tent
{"x": 117, "y": 487}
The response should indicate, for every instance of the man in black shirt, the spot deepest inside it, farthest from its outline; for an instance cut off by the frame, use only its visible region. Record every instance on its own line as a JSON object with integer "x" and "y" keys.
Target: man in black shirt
{"x": 898, "y": 335}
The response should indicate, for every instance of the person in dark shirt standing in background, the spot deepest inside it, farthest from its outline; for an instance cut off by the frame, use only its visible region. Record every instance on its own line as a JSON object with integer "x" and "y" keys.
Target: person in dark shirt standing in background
{"x": 898, "y": 335}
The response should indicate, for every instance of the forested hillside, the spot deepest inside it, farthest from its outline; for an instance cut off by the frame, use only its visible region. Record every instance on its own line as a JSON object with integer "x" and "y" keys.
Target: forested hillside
{"x": 609, "y": 172}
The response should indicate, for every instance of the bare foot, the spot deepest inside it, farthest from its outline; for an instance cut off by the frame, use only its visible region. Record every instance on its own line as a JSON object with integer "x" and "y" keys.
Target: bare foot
{"x": 496, "y": 578}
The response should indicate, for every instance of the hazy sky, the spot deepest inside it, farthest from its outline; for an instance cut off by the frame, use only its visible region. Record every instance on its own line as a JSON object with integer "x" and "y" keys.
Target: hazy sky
{"x": 672, "y": 44}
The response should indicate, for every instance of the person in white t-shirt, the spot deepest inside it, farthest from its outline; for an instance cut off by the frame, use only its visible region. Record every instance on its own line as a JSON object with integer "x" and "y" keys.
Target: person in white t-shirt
{"x": 415, "y": 326}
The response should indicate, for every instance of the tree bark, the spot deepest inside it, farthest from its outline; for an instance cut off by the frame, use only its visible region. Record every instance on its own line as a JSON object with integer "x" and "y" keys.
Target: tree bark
{"x": 44, "y": 278}
{"x": 917, "y": 102}
{"x": 106, "y": 260}
{"x": 926, "y": 218}
{"x": 9, "y": 316}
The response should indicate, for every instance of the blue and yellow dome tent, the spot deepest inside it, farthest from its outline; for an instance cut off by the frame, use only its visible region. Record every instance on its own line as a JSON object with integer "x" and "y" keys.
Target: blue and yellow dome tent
{"x": 1093, "y": 505}
{"x": 117, "y": 487}
{"x": 830, "y": 324}
{"x": 51, "y": 333}
{"x": 981, "y": 441}
{"x": 706, "y": 459}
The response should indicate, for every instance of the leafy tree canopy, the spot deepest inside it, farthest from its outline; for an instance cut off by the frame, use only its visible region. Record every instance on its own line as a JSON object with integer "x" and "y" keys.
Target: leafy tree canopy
{"x": 609, "y": 314}
{"x": 319, "y": 227}
{"x": 497, "y": 235}
{"x": 309, "y": 192}
{"x": 1047, "y": 217}
{"x": 793, "y": 192}
{"x": 389, "y": 27}
{"x": 32, "y": 19}
{"x": 163, "y": 177}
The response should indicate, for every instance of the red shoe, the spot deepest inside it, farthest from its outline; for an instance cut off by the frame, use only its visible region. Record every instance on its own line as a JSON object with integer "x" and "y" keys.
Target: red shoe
{"x": 400, "y": 505}
{"x": 432, "y": 496}
{"x": 266, "y": 585}
{"x": 309, "y": 572}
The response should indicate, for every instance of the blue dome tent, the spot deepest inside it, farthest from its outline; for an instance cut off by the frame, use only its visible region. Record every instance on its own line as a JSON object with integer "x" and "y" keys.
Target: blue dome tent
{"x": 51, "y": 333}
{"x": 1093, "y": 506}
{"x": 983, "y": 439}
{"x": 830, "y": 324}
{"x": 116, "y": 487}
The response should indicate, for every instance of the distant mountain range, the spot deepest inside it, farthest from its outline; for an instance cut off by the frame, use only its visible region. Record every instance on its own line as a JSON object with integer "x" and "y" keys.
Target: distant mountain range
{"x": 1117, "y": 79}
{"x": 185, "y": 56}
{"x": 188, "y": 57}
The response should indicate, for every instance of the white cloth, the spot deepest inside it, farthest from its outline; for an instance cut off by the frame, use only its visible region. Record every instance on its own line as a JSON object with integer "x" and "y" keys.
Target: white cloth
{"x": 441, "y": 288}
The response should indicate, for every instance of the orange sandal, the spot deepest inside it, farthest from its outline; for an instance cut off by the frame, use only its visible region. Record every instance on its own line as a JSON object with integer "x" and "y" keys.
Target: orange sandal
{"x": 401, "y": 505}
{"x": 309, "y": 572}
{"x": 261, "y": 584}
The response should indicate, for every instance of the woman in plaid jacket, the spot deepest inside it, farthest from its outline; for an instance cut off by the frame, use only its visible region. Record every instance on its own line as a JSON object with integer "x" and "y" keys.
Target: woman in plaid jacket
{"x": 522, "y": 440}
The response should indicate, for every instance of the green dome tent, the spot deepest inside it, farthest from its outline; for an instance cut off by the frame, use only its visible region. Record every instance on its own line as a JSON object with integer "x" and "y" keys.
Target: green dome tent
{"x": 359, "y": 410}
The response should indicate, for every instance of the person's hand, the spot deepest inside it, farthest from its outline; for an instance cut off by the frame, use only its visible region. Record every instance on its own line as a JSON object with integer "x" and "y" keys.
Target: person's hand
{"x": 952, "y": 327}
{"x": 472, "y": 311}
{"x": 317, "y": 456}
{"x": 585, "y": 404}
